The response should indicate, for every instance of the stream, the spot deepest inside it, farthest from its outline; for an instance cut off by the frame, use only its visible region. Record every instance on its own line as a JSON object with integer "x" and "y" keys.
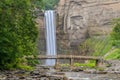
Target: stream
{"x": 85, "y": 76}
{"x": 48, "y": 73}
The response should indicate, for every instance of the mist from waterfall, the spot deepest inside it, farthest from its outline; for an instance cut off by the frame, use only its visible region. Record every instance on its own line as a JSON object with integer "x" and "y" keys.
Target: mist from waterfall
{"x": 50, "y": 24}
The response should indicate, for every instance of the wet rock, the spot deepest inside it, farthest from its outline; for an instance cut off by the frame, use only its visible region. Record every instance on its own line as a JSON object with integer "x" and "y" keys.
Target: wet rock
{"x": 114, "y": 68}
{"x": 20, "y": 72}
{"x": 44, "y": 78}
{"x": 34, "y": 77}
{"x": 45, "y": 67}
{"x": 92, "y": 71}
{"x": 65, "y": 78}
{"x": 101, "y": 72}
{"x": 59, "y": 73}
{"x": 65, "y": 69}
{"x": 55, "y": 75}
{"x": 44, "y": 75}
{"x": 78, "y": 69}
{"x": 35, "y": 73}
{"x": 2, "y": 77}
{"x": 21, "y": 77}
{"x": 55, "y": 78}
{"x": 28, "y": 78}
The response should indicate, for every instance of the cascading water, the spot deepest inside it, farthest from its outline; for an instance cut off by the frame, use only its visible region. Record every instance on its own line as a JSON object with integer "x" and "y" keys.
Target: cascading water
{"x": 50, "y": 24}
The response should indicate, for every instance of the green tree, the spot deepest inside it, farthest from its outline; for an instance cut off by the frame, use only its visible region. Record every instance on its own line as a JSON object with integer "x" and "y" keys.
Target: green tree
{"x": 45, "y": 4}
{"x": 39, "y": 4}
{"x": 49, "y": 4}
{"x": 116, "y": 33}
{"x": 18, "y": 32}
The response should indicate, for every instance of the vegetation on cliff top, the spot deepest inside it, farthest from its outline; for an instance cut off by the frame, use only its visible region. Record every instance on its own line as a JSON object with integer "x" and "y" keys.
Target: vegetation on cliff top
{"x": 50, "y": 4}
{"x": 46, "y": 4}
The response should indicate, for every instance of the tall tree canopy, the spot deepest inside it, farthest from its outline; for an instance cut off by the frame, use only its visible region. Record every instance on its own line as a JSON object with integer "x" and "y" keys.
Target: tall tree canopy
{"x": 46, "y": 4}
{"x": 18, "y": 32}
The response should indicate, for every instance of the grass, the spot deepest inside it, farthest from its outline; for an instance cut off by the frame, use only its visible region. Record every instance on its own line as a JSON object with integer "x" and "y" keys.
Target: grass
{"x": 23, "y": 67}
{"x": 102, "y": 46}
{"x": 115, "y": 54}
{"x": 97, "y": 46}
{"x": 89, "y": 64}
{"x": 65, "y": 65}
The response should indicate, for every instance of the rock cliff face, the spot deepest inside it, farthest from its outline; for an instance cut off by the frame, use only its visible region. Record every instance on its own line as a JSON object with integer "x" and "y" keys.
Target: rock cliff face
{"x": 83, "y": 18}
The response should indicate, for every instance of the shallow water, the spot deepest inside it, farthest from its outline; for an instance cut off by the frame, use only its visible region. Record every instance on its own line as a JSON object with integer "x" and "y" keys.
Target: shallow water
{"x": 86, "y": 76}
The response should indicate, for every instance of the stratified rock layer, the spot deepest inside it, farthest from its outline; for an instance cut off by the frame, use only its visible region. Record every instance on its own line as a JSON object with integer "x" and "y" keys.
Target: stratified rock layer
{"x": 83, "y": 18}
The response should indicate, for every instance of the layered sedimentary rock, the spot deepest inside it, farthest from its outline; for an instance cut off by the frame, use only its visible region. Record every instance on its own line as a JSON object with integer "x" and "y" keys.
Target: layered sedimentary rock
{"x": 83, "y": 18}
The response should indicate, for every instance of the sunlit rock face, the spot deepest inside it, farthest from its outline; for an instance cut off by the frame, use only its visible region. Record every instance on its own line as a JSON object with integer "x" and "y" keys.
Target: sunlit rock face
{"x": 83, "y": 18}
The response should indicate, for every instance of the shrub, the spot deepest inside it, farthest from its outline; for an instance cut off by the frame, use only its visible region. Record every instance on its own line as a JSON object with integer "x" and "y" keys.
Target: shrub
{"x": 18, "y": 32}
{"x": 115, "y": 35}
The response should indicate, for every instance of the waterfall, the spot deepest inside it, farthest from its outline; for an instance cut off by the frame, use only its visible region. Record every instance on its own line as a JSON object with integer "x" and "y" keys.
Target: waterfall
{"x": 50, "y": 23}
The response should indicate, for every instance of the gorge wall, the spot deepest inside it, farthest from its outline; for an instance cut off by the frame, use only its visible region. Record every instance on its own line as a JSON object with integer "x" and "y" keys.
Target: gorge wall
{"x": 80, "y": 19}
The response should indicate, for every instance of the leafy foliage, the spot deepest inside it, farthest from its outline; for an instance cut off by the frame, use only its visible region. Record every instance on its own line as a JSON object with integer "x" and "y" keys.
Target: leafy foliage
{"x": 115, "y": 37}
{"x": 96, "y": 46}
{"x": 45, "y": 4}
{"x": 115, "y": 54}
{"x": 49, "y": 4}
{"x": 18, "y": 32}
{"x": 90, "y": 65}
{"x": 38, "y": 4}
{"x": 116, "y": 33}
